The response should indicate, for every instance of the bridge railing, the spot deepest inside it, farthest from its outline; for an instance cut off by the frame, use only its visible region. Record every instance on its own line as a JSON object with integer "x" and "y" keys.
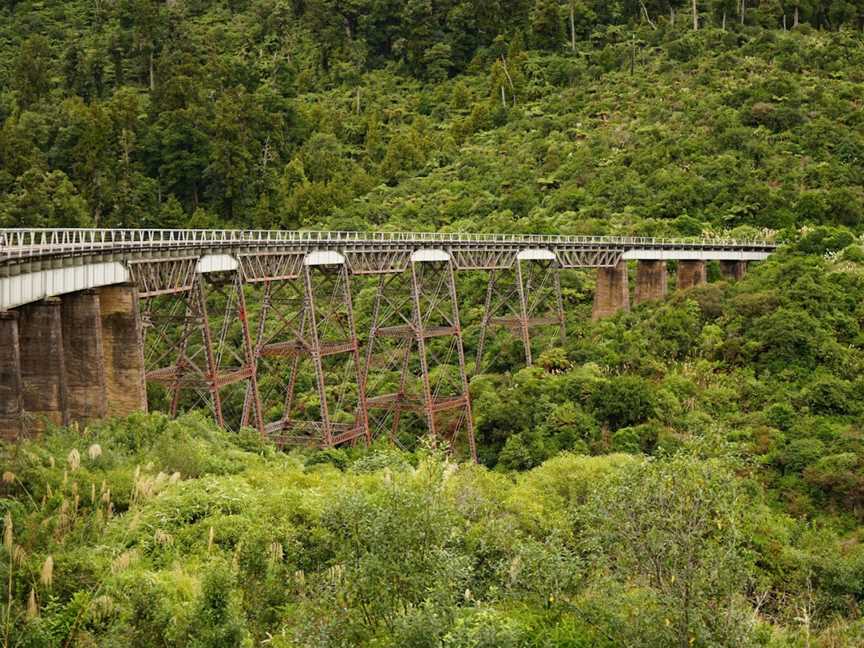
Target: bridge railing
{"x": 16, "y": 243}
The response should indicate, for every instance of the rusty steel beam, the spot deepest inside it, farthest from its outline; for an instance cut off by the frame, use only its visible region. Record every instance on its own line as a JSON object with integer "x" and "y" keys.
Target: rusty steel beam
{"x": 314, "y": 328}
{"x": 189, "y": 356}
{"x": 415, "y": 317}
{"x": 530, "y": 299}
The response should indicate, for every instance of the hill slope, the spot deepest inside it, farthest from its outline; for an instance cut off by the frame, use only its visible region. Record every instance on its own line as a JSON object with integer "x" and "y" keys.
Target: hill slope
{"x": 227, "y": 114}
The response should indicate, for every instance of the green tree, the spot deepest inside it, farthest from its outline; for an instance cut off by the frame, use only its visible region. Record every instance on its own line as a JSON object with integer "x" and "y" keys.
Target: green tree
{"x": 676, "y": 528}
{"x": 32, "y": 71}
{"x": 546, "y": 24}
{"x": 623, "y": 401}
{"x": 217, "y": 621}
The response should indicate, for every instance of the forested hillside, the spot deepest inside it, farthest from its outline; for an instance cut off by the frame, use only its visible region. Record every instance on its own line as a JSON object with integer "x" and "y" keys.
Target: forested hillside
{"x": 392, "y": 114}
{"x": 690, "y": 473}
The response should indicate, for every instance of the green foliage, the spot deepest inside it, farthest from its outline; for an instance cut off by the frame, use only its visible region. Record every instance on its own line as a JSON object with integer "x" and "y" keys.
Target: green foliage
{"x": 594, "y": 551}
{"x": 322, "y": 113}
{"x": 673, "y": 531}
{"x": 217, "y": 619}
{"x": 685, "y": 474}
{"x": 623, "y": 401}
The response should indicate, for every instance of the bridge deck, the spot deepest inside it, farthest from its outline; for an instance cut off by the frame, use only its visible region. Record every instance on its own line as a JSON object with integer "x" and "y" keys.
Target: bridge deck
{"x": 34, "y": 243}
{"x": 36, "y": 263}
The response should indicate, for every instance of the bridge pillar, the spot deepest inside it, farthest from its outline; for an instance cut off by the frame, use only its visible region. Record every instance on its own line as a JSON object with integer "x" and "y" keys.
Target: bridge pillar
{"x": 733, "y": 270}
{"x": 690, "y": 274}
{"x": 11, "y": 404}
{"x": 652, "y": 280}
{"x": 123, "y": 350}
{"x": 43, "y": 374}
{"x": 84, "y": 360}
{"x": 613, "y": 291}
{"x": 535, "y": 302}
{"x": 418, "y": 310}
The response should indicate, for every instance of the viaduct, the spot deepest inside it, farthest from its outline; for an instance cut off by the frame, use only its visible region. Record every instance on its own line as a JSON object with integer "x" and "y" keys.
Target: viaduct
{"x": 77, "y": 305}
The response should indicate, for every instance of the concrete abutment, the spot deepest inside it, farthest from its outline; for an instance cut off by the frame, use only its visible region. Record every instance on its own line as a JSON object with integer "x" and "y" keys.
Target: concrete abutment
{"x": 690, "y": 274}
{"x": 43, "y": 374}
{"x": 612, "y": 293}
{"x": 11, "y": 404}
{"x": 84, "y": 359}
{"x": 652, "y": 280}
{"x": 733, "y": 270}
{"x": 123, "y": 350}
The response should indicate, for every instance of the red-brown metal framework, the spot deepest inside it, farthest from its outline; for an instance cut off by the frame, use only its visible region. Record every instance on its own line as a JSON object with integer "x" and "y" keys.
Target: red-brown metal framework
{"x": 306, "y": 325}
{"x": 197, "y": 348}
{"x": 415, "y": 359}
{"x": 194, "y": 286}
{"x": 520, "y": 298}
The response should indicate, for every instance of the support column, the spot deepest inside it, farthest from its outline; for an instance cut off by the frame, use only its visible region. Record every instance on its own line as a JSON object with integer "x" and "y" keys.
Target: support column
{"x": 733, "y": 270}
{"x": 83, "y": 356}
{"x": 43, "y": 373}
{"x": 651, "y": 280}
{"x": 534, "y": 300}
{"x": 613, "y": 291}
{"x": 308, "y": 335}
{"x": 419, "y": 309}
{"x": 123, "y": 349}
{"x": 690, "y": 274}
{"x": 10, "y": 377}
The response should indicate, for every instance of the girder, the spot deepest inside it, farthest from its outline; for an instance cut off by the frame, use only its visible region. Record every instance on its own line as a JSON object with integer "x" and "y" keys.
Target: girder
{"x": 199, "y": 344}
{"x": 415, "y": 360}
{"x": 298, "y": 376}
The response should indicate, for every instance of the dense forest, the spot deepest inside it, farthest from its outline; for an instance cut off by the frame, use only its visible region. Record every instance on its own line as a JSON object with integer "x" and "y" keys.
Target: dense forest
{"x": 690, "y": 473}
{"x": 611, "y": 115}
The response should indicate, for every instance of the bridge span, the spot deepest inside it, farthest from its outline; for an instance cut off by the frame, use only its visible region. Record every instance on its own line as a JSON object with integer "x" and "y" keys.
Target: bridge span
{"x": 77, "y": 305}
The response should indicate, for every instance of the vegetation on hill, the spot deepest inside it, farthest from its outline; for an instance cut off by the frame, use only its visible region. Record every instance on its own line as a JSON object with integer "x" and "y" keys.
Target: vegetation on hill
{"x": 149, "y": 532}
{"x": 686, "y": 474}
{"x": 265, "y": 113}
{"x": 689, "y": 473}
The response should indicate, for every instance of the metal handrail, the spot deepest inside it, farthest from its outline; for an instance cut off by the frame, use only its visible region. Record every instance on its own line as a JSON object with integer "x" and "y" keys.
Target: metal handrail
{"x": 17, "y": 243}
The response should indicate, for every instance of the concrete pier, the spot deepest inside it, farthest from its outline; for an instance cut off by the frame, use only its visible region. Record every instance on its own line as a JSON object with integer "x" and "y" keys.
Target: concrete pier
{"x": 733, "y": 270}
{"x": 652, "y": 281}
{"x": 123, "y": 349}
{"x": 11, "y": 404}
{"x": 43, "y": 375}
{"x": 613, "y": 291}
{"x": 690, "y": 274}
{"x": 83, "y": 356}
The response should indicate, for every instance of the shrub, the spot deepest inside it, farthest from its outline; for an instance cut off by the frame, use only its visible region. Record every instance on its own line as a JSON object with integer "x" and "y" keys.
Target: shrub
{"x": 623, "y": 401}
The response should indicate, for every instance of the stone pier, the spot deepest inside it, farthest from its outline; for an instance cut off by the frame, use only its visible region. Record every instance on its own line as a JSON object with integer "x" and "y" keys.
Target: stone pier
{"x": 123, "y": 350}
{"x": 83, "y": 357}
{"x": 10, "y": 377}
{"x": 733, "y": 270}
{"x": 613, "y": 291}
{"x": 43, "y": 375}
{"x": 652, "y": 281}
{"x": 690, "y": 274}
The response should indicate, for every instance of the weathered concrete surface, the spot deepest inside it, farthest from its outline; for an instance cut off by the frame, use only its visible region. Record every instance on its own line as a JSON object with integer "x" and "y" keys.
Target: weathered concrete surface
{"x": 652, "y": 281}
{"x": 83, "y": 356}
{"x": 690, "y": 274}
{"x": 733, "y": 270}
{"x": 613, "y": 291}
{"x": 43, "y": 375}
{"x": 123, "y": 350}
{"x": 11, "y": 403}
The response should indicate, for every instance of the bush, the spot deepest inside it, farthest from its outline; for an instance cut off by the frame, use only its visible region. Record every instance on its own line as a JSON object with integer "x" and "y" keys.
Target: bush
{"x": 623, "y": 401}
{"x": 523, "y": 451}
{"x": 830, "y": 395}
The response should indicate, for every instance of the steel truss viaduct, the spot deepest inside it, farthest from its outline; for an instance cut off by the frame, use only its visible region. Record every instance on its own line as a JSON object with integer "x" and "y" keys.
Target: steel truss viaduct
{"x": 261, "y": 326}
